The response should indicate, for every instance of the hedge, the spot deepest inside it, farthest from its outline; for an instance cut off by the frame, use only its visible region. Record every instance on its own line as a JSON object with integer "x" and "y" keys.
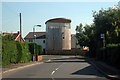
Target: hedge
{"x": 26, "y": 55}
{"x": 40, "y": 51}
{"x": 110, "y": 55}
{"x": 16, "y": 52}
{"x": 38, "y": 48}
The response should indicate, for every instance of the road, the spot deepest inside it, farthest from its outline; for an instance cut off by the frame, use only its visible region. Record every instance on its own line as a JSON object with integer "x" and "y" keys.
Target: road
{"x": 58, "y": 68}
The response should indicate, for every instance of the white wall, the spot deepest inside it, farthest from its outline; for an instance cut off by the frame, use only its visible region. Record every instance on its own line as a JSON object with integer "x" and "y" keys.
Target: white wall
{"x": 26, "y": 40}
{"x": 39, "y": 41}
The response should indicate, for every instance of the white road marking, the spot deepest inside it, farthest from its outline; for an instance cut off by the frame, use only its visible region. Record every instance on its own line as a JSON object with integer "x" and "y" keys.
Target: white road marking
{"x": 52, "y": 72}
{"x": 56, "y": 69}
{"x": 48, "y": 60}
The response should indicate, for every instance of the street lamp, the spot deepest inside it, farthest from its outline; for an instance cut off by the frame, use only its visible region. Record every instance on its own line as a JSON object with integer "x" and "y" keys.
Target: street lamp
{"x": 34, "y": 36}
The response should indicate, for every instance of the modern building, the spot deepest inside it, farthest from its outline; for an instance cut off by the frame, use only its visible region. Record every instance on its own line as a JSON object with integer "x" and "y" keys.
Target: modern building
{"x": 39, "y": 39}
{"x": 16, "y": 35}
{"x": 58, "y": 34}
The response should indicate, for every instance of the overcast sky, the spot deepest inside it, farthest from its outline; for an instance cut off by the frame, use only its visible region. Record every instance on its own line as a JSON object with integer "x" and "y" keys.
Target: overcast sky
{"x": 39, "y": 12}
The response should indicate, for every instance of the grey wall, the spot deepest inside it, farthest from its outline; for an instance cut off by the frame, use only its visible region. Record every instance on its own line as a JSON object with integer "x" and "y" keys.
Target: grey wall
{"x": 58, "y": 37}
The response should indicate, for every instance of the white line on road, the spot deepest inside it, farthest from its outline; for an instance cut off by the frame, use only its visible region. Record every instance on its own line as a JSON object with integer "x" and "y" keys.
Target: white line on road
{"x": 48, "y": 60}
{"x": 52, "y": 72}
{"x": 56, "y": 69}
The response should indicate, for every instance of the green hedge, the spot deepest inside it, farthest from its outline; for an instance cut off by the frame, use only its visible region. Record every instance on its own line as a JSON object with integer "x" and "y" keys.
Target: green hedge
{"x": 17, "y": 52}
{"x": 40, "y": 51}
{"x": 113, "y": 45}
{"x": 19, "y": 49}
{"x": 111, "y": 54}
{"x": 26, "y": 55}
{"x": 38, "y": 48}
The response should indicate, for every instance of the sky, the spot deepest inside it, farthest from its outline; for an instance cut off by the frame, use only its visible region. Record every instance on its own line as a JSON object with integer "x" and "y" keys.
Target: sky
{"x": 34, "y": 13}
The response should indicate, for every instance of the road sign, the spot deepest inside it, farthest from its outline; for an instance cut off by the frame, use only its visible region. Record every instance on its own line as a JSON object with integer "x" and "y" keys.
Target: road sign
{"x": 102, "y": 35}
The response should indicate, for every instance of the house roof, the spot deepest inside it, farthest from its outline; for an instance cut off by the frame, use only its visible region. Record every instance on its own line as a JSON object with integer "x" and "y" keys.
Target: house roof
{"x": 16, "y": 35}
{"x": 13, "y": 34}
{"x": 59, "y": 20}
{"x": 39, "y": 35}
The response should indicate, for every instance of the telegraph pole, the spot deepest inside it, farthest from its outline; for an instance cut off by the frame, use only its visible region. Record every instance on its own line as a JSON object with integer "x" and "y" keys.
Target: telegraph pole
{"x": 20, "y": 27}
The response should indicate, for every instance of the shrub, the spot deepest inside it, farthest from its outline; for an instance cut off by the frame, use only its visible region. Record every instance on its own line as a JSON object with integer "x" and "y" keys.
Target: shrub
{"x": 14, "y": 51}
{"x": 113, "y": 45}
{"x": 38, "y": 48}
{"x": 110, "y": 54}
{"x": 31, "y": 47}
{"x": 19, "y": 49}
{"x": 8, "y": 37}
{"x": 5, "y": 54}
{"x": 113, "y": 56}
{"x": 26, "y": 55}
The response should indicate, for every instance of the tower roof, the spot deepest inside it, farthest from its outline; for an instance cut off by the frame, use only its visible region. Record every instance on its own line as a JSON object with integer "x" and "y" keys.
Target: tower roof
{"x": 59, "y": 20}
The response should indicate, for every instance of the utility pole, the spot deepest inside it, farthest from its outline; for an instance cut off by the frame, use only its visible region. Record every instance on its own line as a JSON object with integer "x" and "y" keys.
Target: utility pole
{"x": 20, "y": 27}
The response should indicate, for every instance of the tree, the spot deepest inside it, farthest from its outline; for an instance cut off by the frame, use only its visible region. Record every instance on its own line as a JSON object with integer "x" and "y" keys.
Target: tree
{"x": 79, "y": 29}
{"x": 86, "y": 37}
{"x": 108, "y": 22}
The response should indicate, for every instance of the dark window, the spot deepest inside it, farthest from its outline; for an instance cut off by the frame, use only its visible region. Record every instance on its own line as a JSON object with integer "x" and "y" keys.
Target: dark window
{"x": 44, "y": 51}
{"x": 63, "y": 37}
{"x": 43, "y": 41}
{"x": 30, "y": 40}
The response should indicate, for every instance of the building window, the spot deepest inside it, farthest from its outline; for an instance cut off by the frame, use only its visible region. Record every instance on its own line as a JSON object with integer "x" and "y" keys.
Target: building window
{"x": 63, "y": 38}
{"x": 44, "y": 51}
{"x": 30, "y": 40}
{"x": 43, "y": 41}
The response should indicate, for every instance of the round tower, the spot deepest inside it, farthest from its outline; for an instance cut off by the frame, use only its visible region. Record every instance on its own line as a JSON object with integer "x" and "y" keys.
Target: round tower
{"x": 58, "y": 34}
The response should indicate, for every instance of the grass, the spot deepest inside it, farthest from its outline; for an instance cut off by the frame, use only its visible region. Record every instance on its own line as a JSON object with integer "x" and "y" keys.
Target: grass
{"x": 81, "y": 56}
{"x": 78, "y": 56}
{"x": 44, "y": 58}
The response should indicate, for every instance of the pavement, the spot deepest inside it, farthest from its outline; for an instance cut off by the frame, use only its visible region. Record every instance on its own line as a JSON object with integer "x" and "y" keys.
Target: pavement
{"x": 24, "y": 65}
{"x": 18, "y": 66}
{"x": 67, "y": 68}
{"x": 110, "y": 72}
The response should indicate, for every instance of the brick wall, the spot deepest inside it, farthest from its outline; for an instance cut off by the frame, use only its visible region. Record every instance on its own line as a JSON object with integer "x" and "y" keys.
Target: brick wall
{"x": 66, "y": 52}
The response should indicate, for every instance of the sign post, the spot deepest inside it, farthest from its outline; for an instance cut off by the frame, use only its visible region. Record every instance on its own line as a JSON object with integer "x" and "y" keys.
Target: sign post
{"x": 103, "y": 37}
